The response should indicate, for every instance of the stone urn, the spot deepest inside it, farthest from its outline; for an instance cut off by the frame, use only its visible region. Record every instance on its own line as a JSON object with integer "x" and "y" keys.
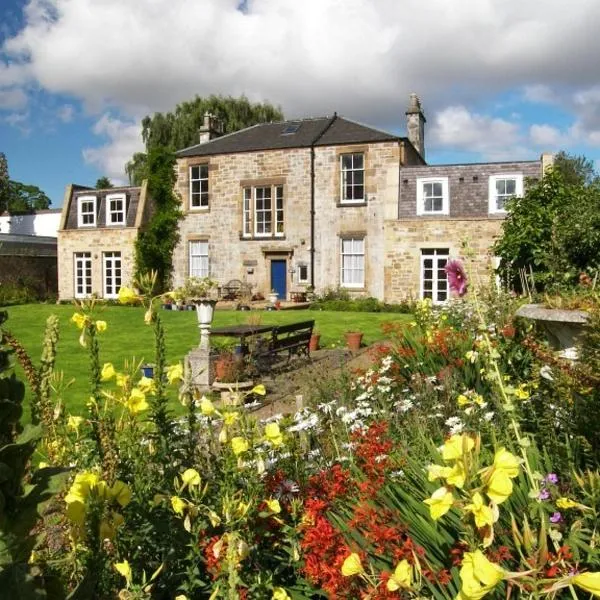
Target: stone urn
{"x": 205, "y": 310}
{"x": 562, "y": 327}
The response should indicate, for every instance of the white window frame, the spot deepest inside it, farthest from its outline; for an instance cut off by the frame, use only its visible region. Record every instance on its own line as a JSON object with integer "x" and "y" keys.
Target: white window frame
{"x": 352, "y": 285}
{"x": 201, "y": 205}
{"x": 303, "y": 279}
{"x": 83, "y": 261}
{"x": 80, "y": 214}
{"x": 115, "y": 281}
{"x": 276, "y": 210}
{"x": 199, "y": 249}
{"x": 344, "y": 172}
{"x": 111, "y": 213}
{"x": 436, "y": 255}
{"x": 492, "y": 193}
{"x": 421, "y": 182}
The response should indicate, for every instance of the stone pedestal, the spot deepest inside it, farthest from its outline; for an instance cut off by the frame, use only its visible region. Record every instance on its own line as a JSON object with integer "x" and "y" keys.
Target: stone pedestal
{"x": 197, "y": 365}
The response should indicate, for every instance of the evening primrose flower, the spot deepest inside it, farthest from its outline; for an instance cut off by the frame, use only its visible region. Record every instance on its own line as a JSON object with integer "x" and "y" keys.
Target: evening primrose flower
{"x": 127, "y": 295}
{"x": 521, "y": 393}
{"x": 352, "y": 566}
{"x": 137, "y": 401}
{"x": 121, "y": 492}
{"x": 401, "y": 577}
{"x": 440, "y": 502}
{"x": 437, "y": 471}
{"x": 273, "y": 505}
{"x": 79, "y": 320}
{"x": 123, "y": 568}
{"x": 565, "y": 503}
{"x": 273, "y": 434}
{"x": 239, "y": 445}
{"x": 230, "y": 418}
{"x": 175, "y": 373}
{"x": 178, "y": 504}
{"x": 456, "y": 446}
{"x": 108, "y": 372}
{"x": 280, "y": 594}
{"x": 505, "y": 467}
{"x": 457, "y": 475}
{"x": 74, "y": 423}
{"x": 207, "y": 407}
{"x": 101, "y": 326}
{"x": 484, "y": 515}
{"x": 590, "y": 582}
{"x": 146, "y": 385}
{"x": 478, "y": 575}
{"x": 191, "y": 477}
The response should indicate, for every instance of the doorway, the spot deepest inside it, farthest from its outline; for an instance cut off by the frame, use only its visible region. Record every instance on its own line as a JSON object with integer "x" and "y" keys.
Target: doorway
{"x": 279, "y": 278}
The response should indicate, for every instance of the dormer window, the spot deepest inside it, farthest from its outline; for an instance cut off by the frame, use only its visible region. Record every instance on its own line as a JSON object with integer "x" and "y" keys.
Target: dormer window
{"x": 432, "y": 196}
{"x": 115, "y": 209}
{"x": 501, "y": 189}
{"x": 86, "y": 211}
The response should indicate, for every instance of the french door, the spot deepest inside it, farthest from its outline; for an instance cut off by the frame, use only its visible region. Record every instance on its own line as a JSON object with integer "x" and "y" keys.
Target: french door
{"x": 83, "y": 274}
{"x": 112, "y": 274}
{"x": 434, "y": 281}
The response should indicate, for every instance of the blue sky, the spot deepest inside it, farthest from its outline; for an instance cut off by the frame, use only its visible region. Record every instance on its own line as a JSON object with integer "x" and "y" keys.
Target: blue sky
{"x": 498, "y": 79}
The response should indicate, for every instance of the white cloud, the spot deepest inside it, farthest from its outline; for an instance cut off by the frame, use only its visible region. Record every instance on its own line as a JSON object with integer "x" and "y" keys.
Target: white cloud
{"x": 66, "y": 113}
{"x": 546, "y": 136}
{"x": 124, "y": 138}
{"x": 19, "y": 121}
{"x": 12, "y": 98}
{"x": 539, "y": 94}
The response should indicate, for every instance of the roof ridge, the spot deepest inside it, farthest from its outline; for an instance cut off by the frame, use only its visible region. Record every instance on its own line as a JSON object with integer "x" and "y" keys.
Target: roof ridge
{"x": 221, "y": 137}
{"x": 369, "y": 127}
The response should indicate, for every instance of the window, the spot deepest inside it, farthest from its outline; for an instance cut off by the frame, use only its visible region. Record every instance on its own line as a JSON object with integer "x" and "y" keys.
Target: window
{"x": 434, "y": 281}
{"x": 199, "y": 259}
{"x": 432, "y": 196}
{"x": 199, "y": 186}
{"x": 353, "y": 262}
{"x": 115, "y": 209}
{"x": 263, "y": 212}
{"x": 302, "y": 273}
{"x": 83, "y": 274}
{"x": 353, "y": 177}
{"x": 502, "y": 188}
{"x": 112, "y": 274}
{"x": 86, "y": 211}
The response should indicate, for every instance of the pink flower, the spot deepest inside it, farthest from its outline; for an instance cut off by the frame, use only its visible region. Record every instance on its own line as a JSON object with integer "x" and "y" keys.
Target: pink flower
{"x": 457, "y": 278}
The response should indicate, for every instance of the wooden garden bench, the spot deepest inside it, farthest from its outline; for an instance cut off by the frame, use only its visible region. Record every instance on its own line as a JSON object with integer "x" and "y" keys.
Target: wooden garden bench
{"x": 290, "y": 340}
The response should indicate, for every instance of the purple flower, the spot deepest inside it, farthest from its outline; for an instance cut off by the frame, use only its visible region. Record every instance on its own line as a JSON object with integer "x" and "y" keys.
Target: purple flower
{"x": 544, "y": 494}
{"x": 552, "y": 478}
{"x": 556, "y": 518}
{"x": 457, "y": 278}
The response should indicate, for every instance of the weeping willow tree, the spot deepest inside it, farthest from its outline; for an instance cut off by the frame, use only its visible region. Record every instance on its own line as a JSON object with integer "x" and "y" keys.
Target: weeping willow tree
{"x": 178, "y": 129}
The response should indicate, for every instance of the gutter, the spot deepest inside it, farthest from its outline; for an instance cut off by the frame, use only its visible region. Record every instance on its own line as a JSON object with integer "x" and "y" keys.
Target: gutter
{"x": 312, "y": 197}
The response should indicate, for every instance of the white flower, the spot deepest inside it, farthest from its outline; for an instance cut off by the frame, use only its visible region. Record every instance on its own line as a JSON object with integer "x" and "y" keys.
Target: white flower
{"x": 546, "y": 373}
{"x": 455, "y": 425}
{"x": 488, "y": 416}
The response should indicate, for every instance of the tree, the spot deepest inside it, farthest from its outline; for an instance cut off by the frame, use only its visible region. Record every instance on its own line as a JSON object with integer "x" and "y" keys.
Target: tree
{"x": 104, "y": 183}
{"x": 4, "y": 183}
{"x": 24, "y": 198}
{"x": 554, "y": 230}
{"x": 154, "y": 245}
{"x": 179, "y": 129}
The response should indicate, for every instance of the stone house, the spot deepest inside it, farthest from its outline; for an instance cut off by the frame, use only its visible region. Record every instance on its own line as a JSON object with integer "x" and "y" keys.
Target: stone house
{"x": 96, "y": 239}
{"x": 327, "y": 203}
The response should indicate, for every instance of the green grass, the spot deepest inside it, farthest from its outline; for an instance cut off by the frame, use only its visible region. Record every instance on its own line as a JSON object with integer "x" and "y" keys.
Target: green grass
{"x": 128, "y": 337}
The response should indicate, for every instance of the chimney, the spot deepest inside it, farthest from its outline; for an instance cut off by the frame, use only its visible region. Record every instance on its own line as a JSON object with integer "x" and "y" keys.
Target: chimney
{"x": 212, "y": 128}
{"x": 547, "y": 160}
{"x": 415, "y": 124}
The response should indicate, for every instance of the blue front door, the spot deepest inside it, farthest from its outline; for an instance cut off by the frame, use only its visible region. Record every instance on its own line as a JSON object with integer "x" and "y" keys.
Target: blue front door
{"x": 278, "y": 278}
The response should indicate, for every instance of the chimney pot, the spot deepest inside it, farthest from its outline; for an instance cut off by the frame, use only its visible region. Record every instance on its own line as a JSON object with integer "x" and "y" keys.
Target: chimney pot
{"x": 415, "y": 124}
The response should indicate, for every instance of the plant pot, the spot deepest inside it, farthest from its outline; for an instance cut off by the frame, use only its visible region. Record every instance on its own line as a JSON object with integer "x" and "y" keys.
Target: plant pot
{"x": 223, "y": 367}
{"x": 314, "y": 342}
{"x": 273, "y": 297}
{"x": 353, "y": 340}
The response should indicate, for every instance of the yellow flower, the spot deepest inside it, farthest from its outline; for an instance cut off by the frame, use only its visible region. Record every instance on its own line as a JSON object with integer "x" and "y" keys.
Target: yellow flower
{"x": 124, "y": 569}
{"x": 457, "y": 475}
{"x": 273, "y": 505}
{"x": 440, "y": 502}
{"x": 565, "y": 503}
{"x": 207, "y": 407}
{"x": 149, "y": 316}
{"x": 74, "y": 423}
{"x": 456, "y": 446}
{"x": 214, "y": 518}
{"x": 478, "y": 399}
{"x": 243, "y": 508}
{"x": 191, "y": 477}
{"x": 108, "y": 372}
{"x": 462, "y": 400}
{"x": 352, "y": 566}
{"x": 478, "y": 575}
{"x": 121, "y": 493}
{"x": 401, "y": 577}
{"x": 590, "y": 582}
{"x": 484, "y": 515}
{"x": 273, "y": 434}
{"x": 178, "y": 504}
{"x": 146, "y": 385}
{"x": 137, "y": 402}
{"x": 280, "y": 594}
{"x": 101, "y": 326}
{"x": 109, "y": 526}
{"x": 127, "y": 296}
{"x": 437, "y": 471}
{"x": 122, "y": 380}
{"x": 175, "y": 373}
{"x": 230, "y": 418}
{"x": 521, "y": 393}
{"x": 79, "y": 320}
{"x": 239, "y": 445}
{"x": 259, "y": 390}
{"x": 499, "y": 486}
{"x": 507, "y": 462}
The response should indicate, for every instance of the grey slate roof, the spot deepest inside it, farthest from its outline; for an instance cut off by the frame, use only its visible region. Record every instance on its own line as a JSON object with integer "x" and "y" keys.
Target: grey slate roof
{"x": 322, "y": 131}
{"x": 132, "y": 198}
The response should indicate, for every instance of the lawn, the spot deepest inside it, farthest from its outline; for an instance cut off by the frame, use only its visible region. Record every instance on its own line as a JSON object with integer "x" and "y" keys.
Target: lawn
{"x": 128, "y": 337}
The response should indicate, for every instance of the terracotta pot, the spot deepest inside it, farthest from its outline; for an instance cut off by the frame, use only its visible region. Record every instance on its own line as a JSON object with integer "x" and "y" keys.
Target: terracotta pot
{"x": 223, "y": 367}
{"x": 353, "y": 340}
{"x": 314, "y": 342}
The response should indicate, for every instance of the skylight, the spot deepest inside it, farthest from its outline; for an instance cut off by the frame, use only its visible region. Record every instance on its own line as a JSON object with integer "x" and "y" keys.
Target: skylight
{"x": 290, "y": 128}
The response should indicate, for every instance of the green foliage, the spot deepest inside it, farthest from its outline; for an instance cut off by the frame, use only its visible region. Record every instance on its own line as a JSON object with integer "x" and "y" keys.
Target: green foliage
{"x": 179, "y": 129}
{"x": 17, "y": 197}
{"x": 4, "y": 183}
{"x": 155, "y": 244}
{"x": 554, "y": 231}
{"x": 104, "y": 183}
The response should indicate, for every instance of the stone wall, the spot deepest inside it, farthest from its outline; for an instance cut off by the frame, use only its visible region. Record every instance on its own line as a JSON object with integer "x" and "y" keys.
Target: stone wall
{"x": 405, "y": 239}
{"x": 95, "y": 241}
{"x": 232, "y": 256}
